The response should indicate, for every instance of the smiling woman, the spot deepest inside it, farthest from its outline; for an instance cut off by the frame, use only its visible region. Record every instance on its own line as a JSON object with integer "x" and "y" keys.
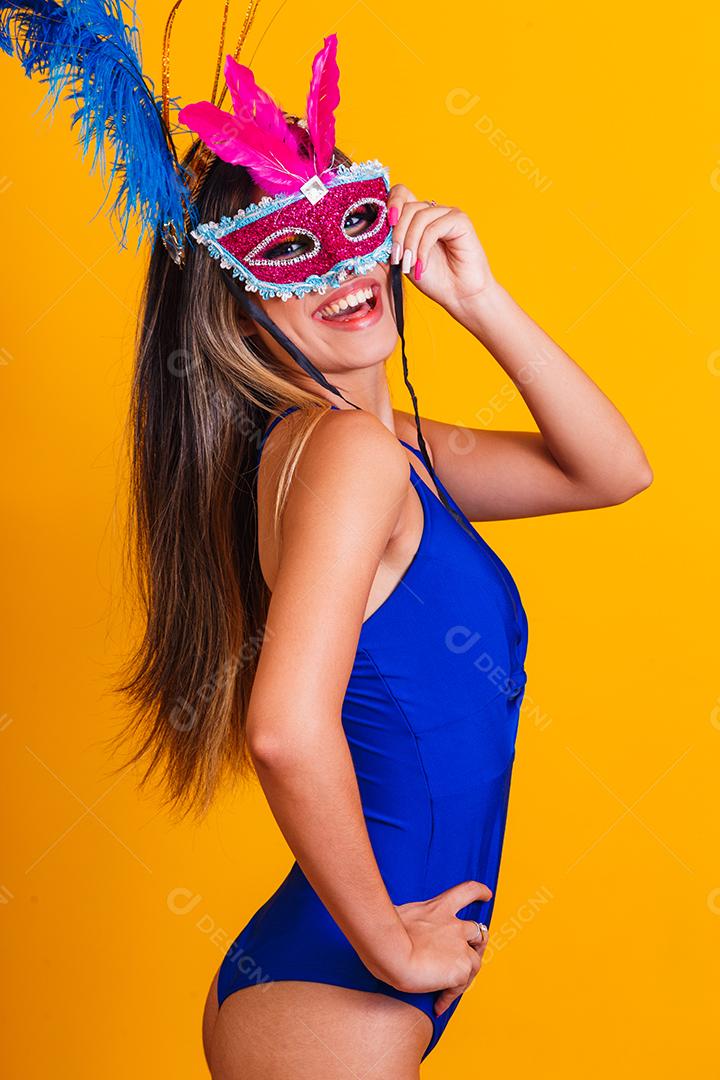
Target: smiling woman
{"x": 311, "y": 588}
{"x": 315, "y": 262}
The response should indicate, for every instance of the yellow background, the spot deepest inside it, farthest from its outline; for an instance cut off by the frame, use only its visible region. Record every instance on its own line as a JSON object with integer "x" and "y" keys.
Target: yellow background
{"x": 607, "y": 920}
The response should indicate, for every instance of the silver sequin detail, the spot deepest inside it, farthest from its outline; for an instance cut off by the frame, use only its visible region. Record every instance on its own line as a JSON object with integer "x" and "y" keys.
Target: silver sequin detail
{"x": 376, "y": 227}
{"x": 287, "y": 231}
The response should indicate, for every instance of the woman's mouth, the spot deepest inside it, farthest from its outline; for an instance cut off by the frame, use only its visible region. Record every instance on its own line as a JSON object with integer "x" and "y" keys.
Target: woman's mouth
{"x": 354, "y": 310}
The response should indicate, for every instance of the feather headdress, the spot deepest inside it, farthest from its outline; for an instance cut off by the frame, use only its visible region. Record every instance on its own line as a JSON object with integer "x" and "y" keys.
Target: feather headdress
{"x": 87, "y": 53}
{"x": 256, "y": 135}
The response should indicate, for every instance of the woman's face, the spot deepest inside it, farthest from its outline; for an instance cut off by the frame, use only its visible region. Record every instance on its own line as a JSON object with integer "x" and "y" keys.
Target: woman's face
{"x": 344, "y": 329}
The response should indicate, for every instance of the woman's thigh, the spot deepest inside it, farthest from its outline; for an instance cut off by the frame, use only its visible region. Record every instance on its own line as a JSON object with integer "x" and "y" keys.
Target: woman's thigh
{"x": 303, "y": 1030}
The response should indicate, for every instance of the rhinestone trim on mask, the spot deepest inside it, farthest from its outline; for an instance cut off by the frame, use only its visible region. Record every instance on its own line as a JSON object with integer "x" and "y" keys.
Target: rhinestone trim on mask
{"x": 290, "y": 260}
{"x": 378, "y": 224}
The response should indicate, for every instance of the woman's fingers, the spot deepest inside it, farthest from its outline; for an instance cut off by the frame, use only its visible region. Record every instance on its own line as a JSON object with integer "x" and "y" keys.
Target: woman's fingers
{"x": 408, "y": 217}
{"x": 440, "y": 228}
{"x": 409, "y": 230}
{"x": 424, "y": 224}
{"x": 446, "y": 997}
{"x": 397, "y": 197}
{"x": 459, "y": 896}
{"x": 480, "y": 945}
{"x": 474, "y": 935}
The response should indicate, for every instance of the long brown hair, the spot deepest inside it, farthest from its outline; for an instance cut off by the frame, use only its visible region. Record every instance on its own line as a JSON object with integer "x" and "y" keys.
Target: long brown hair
{"x": 202, "y": 395}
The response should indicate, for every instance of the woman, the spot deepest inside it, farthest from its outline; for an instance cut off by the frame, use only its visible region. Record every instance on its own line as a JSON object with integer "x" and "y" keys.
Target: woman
{"x": 319, "y": 609}
{"x": 376, "y": 694}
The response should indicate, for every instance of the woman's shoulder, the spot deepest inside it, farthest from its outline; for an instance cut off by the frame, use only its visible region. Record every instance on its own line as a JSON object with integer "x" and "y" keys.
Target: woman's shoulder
{"x": 345, "y": 494}
{"x": 343, "y": 452}
{"x": 353, "y": 446}
{"x": 345, "y": 491}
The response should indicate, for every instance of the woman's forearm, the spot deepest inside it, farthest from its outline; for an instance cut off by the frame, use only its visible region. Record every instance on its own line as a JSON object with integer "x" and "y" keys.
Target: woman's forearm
{"x": 582, "y": 429}
{"x": 311, "y": 787}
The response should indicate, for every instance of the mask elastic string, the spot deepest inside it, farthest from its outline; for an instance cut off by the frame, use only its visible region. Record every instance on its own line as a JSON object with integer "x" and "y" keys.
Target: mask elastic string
{"x": 258, "y": 315}
{"x": 397, "y": 292}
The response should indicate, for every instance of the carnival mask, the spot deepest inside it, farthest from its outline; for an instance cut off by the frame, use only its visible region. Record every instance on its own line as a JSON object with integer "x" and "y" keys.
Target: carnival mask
{"x": 318, "y": 224}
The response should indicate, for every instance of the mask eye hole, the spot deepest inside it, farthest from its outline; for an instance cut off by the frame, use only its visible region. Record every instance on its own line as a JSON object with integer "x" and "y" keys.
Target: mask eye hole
{"x": 282, "y": 247}
{"x": 364, "y": 218}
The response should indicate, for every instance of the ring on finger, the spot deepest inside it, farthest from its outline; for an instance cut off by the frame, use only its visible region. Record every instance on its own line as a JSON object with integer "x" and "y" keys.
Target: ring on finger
{"x": 481, "y": 932}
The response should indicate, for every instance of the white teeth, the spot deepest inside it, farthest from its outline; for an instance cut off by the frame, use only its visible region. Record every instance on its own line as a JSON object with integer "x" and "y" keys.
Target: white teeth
{"x": 352, "y": 300}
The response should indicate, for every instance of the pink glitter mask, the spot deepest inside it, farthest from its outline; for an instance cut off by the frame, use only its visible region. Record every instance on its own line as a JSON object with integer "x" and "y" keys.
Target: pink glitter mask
{"x": 291, "y": 245}
{"x": 318, "y": 222}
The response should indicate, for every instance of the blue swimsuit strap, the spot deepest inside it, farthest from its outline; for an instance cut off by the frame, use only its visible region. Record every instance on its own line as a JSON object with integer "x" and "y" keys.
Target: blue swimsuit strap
{"x": 276, "y": 420}
{"x": 268, "y": 429}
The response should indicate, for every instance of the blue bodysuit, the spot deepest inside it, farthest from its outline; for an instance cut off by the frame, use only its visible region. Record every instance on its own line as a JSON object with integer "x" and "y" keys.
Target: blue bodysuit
{"x": 431, "y": 715}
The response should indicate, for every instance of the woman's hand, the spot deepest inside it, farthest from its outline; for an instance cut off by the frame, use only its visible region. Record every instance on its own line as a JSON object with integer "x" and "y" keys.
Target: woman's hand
{"x": 440, "y": 955}
{"x": 438, "y": 249}
{"x": 446, "y": 998}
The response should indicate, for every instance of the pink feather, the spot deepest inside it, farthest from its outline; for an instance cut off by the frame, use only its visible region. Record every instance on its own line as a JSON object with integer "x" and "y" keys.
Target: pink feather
{"x": 256, "y": 135}
{"x": 323, "y": 98}
{"x": 251, "y": 102}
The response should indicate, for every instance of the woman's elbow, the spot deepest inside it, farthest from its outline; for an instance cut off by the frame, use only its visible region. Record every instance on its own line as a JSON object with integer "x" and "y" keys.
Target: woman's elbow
{"x": 630, "y": 484}
{"x": 616, "y": 486}
{"x": 267, "y": 744}
{"x": 639, "y": 479}
{"x": 267, "y": 752}
{"x": 279, "y": 742}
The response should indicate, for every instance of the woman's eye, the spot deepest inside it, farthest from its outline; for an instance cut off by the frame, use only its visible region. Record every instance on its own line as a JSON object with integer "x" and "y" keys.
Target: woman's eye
{"x": 360, "y": 219}
{"x": 288, "y": 248}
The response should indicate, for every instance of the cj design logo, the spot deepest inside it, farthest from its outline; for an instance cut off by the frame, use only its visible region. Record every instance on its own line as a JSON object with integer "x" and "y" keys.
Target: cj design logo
{"x": 182, "y": 901}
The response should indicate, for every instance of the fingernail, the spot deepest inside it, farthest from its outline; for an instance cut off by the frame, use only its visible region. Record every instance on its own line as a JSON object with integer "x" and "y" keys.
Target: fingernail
{"x": 395, "y": 253}
{"x": 418, "y": 269}
{"x": 393, "y": 214}
{"x": 407, "y": 261}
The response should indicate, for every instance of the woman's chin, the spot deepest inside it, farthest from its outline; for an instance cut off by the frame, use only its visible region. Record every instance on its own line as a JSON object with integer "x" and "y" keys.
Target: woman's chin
{"x": 361, "y": 348}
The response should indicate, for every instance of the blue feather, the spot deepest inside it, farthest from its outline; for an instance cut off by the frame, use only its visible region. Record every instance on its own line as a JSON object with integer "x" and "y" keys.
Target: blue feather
{"x": 85, "y": 52}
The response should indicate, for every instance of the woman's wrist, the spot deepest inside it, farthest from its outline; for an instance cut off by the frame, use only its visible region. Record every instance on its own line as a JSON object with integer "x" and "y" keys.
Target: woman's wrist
{"x": 481, "y": 312}
{"x": 385, "y": 954}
